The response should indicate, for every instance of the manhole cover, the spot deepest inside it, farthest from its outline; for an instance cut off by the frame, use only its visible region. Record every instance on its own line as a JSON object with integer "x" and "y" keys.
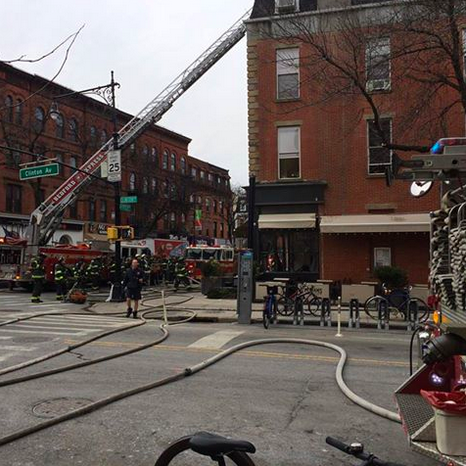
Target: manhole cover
{"x": 59, "y": 406}
{"x": 30, "y": 339}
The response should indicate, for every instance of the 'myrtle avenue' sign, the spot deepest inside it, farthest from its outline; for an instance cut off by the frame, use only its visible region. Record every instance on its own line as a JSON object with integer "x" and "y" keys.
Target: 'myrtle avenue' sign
{"x": 40, "y": 171}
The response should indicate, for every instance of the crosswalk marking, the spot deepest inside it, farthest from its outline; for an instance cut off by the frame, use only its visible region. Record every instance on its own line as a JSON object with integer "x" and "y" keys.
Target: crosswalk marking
{"x": 216, "y": 340}
{"x": 38, "y": 332}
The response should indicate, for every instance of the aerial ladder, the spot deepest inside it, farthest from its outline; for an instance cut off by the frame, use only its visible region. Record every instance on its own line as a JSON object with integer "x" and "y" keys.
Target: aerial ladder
{"x": 45, "y": 219}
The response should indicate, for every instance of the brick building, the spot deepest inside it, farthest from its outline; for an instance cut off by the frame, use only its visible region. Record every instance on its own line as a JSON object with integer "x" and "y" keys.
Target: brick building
{"x": 323, "y": 209}
{"x": 157, "y": 167}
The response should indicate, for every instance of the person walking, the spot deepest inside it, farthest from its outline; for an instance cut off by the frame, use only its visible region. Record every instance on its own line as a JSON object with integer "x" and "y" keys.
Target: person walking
{"x": 133, "y": 281}
{"x": 38, "y": 277}
{"x": 60, "y": 274}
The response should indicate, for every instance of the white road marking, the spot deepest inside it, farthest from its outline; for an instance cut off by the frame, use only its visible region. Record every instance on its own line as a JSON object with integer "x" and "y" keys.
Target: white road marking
{"x": 42, "y": 333}
{"x": 217, "y": 340}
{"x": 32, "y": 326}
{"x": 6, "y": 338}
{"x": 73, "y": 323}
{"x": 16, "y": 348}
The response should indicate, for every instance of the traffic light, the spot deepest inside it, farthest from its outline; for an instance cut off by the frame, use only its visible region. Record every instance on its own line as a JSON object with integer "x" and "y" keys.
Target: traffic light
{"x": 112, "y": 233}
{"x": 120, "y": 233}
{"x": 126, "y": 233}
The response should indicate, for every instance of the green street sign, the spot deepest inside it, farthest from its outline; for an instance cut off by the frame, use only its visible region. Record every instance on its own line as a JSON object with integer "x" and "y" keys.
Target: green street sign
{"x": 126, "y": 207}
{"x": 40, "y": 171}
{"x": 129, "y": 200}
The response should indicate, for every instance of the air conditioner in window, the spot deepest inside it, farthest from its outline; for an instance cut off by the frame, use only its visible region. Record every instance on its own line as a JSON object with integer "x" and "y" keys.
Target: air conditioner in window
{"x": 286, "y": 6}
{"x": 378, "y": 85}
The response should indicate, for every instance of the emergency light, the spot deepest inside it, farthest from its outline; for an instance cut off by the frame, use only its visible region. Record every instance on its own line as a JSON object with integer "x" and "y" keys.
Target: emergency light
{"x": 442, "y": 145}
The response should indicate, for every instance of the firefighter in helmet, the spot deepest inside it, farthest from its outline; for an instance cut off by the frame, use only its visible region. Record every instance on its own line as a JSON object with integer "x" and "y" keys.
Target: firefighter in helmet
{"x": 38, "y": 277}
{"x": 94, "y": 271}
{"x": 60, "y": 273}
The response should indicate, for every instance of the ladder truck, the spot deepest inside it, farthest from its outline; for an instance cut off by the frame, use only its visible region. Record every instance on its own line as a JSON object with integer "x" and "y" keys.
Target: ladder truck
{"x": 45, "y": 219}
{"x": 442, "y": 342}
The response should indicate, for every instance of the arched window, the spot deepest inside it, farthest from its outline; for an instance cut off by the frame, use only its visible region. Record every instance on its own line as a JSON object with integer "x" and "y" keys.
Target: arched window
{"x": 59, "y": 125}
{"x": 154, "y": 185}
{"x": 132, "y": 181}
{"x": 39, "y": 119}
{"x": 19, "y": 112}
{"x": 9, "y": 108}
{"x": 166, "y": 189}
{"x": 165, "y": 160}
{"x": 145, "y": 151}
{"x": 103, "y": 137}
{"x": 93, "y": 135}
{"x": 183, "y": 165}
{"x": 155, "y": 156}
{"x": 74, "y": 130}
{"x": 173, "y": 162}
{"x": 145, "y": 185}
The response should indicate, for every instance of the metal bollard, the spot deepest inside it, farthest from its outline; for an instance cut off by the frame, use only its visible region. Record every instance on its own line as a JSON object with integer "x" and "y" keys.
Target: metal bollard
{"x": 296, "y": 311}
{"x": 327, "y": 311}
{"x": 413, "y": 315}
{"x": 322, "y": 314}
{"x": 164, "y": 305}
{"x": 301, "y": 312}
{"x": 381, "y": 314}
{"x": 339, "y": 334}
{"x": 386, "y": 316}
{"x": 358, "y": 314}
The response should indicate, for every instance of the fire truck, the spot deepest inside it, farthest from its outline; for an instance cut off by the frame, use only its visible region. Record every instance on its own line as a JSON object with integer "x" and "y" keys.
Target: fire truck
{"x": 442, "y": 342}
{"x": 46, "y": 218}
{"x": 195, "y": 256}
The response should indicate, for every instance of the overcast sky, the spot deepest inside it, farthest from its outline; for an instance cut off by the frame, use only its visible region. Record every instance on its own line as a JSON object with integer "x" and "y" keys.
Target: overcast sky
{"x": 147, "y": 43}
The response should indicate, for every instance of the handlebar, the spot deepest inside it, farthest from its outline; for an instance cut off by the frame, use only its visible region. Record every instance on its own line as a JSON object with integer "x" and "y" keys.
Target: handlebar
{"x": 357, "y": 450}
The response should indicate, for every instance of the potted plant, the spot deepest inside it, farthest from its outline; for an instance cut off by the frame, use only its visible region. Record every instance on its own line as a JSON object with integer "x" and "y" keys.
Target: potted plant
{"x": 211, "y": 276}
{"x": 394, "y": 278}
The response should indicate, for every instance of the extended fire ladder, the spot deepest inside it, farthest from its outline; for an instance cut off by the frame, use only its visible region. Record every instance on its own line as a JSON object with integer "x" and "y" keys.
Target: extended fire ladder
{"x": 48, "y": 216}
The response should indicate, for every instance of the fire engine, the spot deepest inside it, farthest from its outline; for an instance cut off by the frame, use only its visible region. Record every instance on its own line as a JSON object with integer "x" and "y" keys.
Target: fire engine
{"x": 442, "y": 343}
{"x": 195, "y": 256}
{"x": 46, "y": 218}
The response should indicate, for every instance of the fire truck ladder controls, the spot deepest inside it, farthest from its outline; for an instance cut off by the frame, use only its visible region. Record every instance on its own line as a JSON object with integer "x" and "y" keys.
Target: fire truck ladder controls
{"x": 47, "y": 217}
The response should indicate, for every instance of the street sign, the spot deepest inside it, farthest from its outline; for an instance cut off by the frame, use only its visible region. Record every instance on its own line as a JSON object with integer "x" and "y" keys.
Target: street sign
{"x": 129, "y": 199}
{"x": 40, "y": 171}
{"x": 126, "y": 207}
{"x": 114, "y": 166}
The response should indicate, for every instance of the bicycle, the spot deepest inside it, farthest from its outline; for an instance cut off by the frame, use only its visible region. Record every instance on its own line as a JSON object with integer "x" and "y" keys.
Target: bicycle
{"x": 396, "y": 302}
{"x": 269, "y": 314}
{"x": 217, "y": 448}
{"x": 304, "y": 295}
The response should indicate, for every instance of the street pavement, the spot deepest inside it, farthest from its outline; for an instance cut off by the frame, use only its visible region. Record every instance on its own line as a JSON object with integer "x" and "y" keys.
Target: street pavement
{"x": 281, "y": 397}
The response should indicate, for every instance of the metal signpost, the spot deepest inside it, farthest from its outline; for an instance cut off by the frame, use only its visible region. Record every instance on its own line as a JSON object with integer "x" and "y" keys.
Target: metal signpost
{"x": 40, "y": 171}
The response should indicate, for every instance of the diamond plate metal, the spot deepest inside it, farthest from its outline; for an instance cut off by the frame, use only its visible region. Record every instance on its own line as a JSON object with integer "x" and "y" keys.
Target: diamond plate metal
{"x": 415, "y": 411}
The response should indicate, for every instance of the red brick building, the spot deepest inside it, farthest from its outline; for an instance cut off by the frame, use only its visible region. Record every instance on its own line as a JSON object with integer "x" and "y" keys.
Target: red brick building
{"x": 323, "y": 207}
{"x": 156, "y": 167}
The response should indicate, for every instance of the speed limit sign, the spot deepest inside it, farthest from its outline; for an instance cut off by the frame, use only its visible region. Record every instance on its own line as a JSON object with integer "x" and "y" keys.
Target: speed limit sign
{"x": 114, "y": 166}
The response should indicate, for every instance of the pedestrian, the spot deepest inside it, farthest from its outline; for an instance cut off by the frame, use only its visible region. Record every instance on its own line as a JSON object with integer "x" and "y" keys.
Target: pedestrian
{"x": 60, "y": 274}
{"x": 133, "y": 281}
{"x": 38, "y": 277}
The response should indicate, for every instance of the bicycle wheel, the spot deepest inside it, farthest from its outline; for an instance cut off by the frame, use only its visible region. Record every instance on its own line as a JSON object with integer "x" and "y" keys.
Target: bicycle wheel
{"x": 285, "y": 306}
{"x": 313, "y": 306}
{"x": 372, "y": 306}
{"x": 179, "y": 453}
{"x": 267, "y": 312}
{"x": 424, "y": 310}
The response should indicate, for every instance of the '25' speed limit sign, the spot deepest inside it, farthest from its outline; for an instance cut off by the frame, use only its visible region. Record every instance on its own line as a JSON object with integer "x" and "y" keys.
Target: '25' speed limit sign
{"x": 114, "y": 166}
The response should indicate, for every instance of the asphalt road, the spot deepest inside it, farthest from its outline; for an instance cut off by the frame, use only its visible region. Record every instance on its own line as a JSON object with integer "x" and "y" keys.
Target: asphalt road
{"x": 282, "y": 398}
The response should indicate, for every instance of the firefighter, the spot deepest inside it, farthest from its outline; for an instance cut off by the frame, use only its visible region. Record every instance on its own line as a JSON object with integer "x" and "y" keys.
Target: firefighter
{"x": 145, "y": 264}
{"x": 60, "y": 273}
{"x": 93, "y": 273}
{"x": 79, "y": 273}
{"x": 38, "y": 277}
{"x": 181, "y": 274}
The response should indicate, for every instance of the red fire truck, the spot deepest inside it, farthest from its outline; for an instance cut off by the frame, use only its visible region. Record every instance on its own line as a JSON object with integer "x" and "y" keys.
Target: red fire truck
{"x": 195, "y": 256}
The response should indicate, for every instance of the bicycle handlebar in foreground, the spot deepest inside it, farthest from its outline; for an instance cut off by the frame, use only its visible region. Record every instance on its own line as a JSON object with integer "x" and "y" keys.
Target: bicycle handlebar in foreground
{"x": 357, "y": 450}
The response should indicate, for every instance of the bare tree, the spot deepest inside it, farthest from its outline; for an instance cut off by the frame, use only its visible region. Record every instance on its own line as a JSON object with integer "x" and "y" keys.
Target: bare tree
{"x": 228, "y": 214}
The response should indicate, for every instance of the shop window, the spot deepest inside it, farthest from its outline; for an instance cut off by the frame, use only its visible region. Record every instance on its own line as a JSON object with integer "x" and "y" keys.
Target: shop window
{"x": 378, "y": 64}
{"x": 288, "y": 73}
{"x": 379, "y": 156}
{"x": 13, "y": 198}
{"x": 382, "y": 257}
{"x": 289, "y": 152}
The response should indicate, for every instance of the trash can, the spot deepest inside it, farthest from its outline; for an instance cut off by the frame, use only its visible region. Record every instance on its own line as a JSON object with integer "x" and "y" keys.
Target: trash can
{"x": 450, "y": 421}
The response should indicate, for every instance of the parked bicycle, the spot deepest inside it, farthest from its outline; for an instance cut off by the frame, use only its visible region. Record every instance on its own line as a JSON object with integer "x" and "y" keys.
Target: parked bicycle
{"x": 397, "y": 303}
{"x": 219, "y": 449}
{"x": 269, "y": 313}
{"x": 302, "y": 294}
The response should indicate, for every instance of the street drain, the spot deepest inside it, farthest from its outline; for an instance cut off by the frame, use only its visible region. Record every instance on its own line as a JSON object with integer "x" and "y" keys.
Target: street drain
{"x": 58, "y": 406}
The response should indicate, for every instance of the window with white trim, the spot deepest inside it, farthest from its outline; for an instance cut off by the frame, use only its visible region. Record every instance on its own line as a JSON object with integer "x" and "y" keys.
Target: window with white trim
{"x": 379, "y": 157}
{"x": 382, "y": 257}
{"x": 378, "y": 66}
{"x": 288, "y": 73}
{"x": 289, "y": 152}
{"x": 286, "y": 6}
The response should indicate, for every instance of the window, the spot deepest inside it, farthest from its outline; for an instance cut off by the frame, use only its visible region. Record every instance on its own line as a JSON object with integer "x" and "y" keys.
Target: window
{"x": 218, "y": 179}
{"x": 154, "y": 185}
{"x": 165, "y": 160}
{"x": 286, "y": 6}
{"x": 378, "y": 64}
{"x": 155, "y": 156}
{"x": 194, "y": 172}
{"x": 103, "y": 137}
{"x": 166, "y": 189}
{"x": 73, "y": 163}
{"x": 379, "y": 156}
{"x": 382, "y": 257}
{"x": 132, "y": 181}
{"x": 207, "y": 204}
{"x": 199, "y": 201}
{"x": 289, "y": 152}
{"x": 215, "y": 229}
{"x": 93, "y": 136}
{"x": 92, "y": 212}
{"x": 192, "y": 199}
{"x": 103, "y": 211}
{"x": 222, "y": 229}
{"x": 183, "y": 219}
{"x": 59, "y": 157}
{"x": 19, "y": 112}
{"x": 202, "y": 175}
{"x": 39, "y": 119}
{"x": 74, "y": 130}
{"x": 209, "y": 177}
{"x": 221, "y": 207}
{"x": 9, "y": 108}
{"x": 145, "y": 151}
{"x": 13, "y": 198}
{"x": 145, "y": 185}
{"x": 288, "y": 74}
{"x": 183, "y": 165}
{"x": 215, "y": 206}
{"x": 173, "y": 162}
{"x": 59, "y": 125}
{"x": 73, "y": 210}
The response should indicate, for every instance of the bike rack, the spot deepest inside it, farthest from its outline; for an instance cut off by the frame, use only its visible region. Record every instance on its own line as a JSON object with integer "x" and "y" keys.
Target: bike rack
{"x": 326, "y": 313}
{"x": 413, "y": 315}
{"x": 298, "y": 315}
{"x": 354, "y": 314}
{"x": 383, "y": 312}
